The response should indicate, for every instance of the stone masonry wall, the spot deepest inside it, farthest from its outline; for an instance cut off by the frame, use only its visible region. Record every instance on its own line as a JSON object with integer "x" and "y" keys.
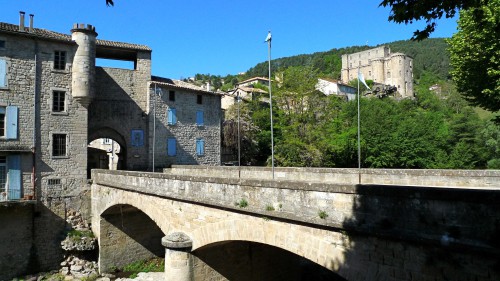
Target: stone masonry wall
{"x": 186, "y": 131}
{"x": 392, "y": 232}
{"x": 420, "y": 177}
{"x": 16, "y": 239}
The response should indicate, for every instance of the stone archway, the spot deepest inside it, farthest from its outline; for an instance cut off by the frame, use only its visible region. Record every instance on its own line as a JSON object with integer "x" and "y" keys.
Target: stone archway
{"x": 107, "y": 150}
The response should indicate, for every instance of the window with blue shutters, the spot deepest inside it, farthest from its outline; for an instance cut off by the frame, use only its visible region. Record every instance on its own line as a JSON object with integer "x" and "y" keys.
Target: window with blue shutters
{"x": 171, "y": 146}
{"x": 14, "y": 176}
{"x": 200, "y": 147}
{"x": 199, "y": 118}
{"x": 8, "y": 122}
{"x": 172, "y": 116}
{"x": 3, "y": 73}
{"x": 137, "y": 138}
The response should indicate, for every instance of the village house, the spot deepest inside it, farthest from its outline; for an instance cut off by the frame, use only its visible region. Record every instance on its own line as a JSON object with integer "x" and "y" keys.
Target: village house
{"x": 54, "y": 102}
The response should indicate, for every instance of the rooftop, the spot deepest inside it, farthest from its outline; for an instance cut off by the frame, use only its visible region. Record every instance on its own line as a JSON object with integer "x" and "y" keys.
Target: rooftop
{"x": 61, "y": 37}
{"x": 178, "y": 84}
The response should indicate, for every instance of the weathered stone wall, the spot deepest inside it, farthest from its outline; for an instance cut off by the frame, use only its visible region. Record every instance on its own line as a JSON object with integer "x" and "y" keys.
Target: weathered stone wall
{"x": 119, "y": 105}
{"x": 186, "y": 131}
{"x": 16, "y": 238}
{"x": 439, "y": 232}
{"x": 443, "y": 178}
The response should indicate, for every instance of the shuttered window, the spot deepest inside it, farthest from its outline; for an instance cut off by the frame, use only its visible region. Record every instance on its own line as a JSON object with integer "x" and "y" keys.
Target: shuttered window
{"x": 8, "y": 122}
{"x": 200, "y": 147}
{"x": 14, "y": 176}
{"x": 3, "y": 73}
{"x": 172, "y": 116}
{"x": 171, "y": 146}
{"x": 199, "y": 118}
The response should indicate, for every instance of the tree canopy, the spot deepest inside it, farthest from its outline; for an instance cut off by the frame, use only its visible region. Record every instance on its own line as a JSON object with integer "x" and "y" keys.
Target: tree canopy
{"x": 408, "y": 11}
{"x": 475, "y": 55}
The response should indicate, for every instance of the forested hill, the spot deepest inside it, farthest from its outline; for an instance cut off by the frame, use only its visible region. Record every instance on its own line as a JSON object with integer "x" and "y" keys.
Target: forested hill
{"x": 429, "y": 55}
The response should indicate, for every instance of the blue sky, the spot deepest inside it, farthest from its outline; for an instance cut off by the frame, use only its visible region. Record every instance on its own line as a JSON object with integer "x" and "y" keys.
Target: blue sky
{"x": 222, "y": 37}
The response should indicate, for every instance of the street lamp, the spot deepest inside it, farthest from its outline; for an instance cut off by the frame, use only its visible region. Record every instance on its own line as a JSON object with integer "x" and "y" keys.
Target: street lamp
{"x": 159, "y": 93}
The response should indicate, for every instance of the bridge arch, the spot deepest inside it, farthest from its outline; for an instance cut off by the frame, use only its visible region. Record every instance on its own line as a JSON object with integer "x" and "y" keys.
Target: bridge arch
{"x": 320, "y": 248}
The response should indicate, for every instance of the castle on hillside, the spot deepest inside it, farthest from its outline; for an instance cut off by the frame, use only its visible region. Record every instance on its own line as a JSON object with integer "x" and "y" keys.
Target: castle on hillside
{"x": 381, "y": 66}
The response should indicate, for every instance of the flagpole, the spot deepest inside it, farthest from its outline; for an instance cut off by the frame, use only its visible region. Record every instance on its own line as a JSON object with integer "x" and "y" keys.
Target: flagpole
{"x": 271, "y": 104}
{"x": 359, "y": 137}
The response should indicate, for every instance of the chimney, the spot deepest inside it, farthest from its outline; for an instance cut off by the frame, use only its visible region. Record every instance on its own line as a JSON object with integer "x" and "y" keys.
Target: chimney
{"x": 21, "y": 21}
{"x": 31, "y": 22}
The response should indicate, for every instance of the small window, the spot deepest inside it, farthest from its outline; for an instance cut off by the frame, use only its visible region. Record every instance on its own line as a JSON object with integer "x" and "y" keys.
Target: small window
{"x": 58, "y": 101}
{"x": 388, "y": 74}
{"x": 200, "y": 147}
{"x": 8, "y": 122}
{"x": 172, "y": 116}
{"x": 171, "y": 146}
{"x": 106, "y": 141}
{"x": 2, "y": 44}
{"x": 54, "y": 182}
{"x": 369, "y": 73}
{"x": 199, "y": 99}
{"x": 171, "y": 95}
{"x": 199, "y": 118}
{"x": 58, "y": 145}
{"x": 60, "y": 60}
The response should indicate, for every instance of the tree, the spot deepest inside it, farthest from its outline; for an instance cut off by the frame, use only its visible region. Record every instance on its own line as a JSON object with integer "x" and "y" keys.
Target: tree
{"x": 109, "y": 3}
{"x": 475, "y": 55}
{"x": 408, "y": 11}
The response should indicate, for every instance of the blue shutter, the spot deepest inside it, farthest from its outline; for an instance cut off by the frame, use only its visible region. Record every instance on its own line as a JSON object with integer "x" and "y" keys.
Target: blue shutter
{"x": 137, "y": 138}
{"x": 172, "y": 116}
{"x": 14, "y": 176}
{"x": 171, "y": 147}
{"x": 200, "y": 147}
{"x": 3, "y": 73}
{"x": 11, "y": 119}
{"x": 199, "y": 118}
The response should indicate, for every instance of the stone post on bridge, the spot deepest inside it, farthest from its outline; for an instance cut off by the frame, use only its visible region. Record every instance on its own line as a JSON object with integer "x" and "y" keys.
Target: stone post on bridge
{"x": 178, "y": 260}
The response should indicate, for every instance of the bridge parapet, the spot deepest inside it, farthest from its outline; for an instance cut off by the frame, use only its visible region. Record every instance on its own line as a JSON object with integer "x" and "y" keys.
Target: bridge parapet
{"x": 411, "y": 177}
{"x": 455, "y": 217}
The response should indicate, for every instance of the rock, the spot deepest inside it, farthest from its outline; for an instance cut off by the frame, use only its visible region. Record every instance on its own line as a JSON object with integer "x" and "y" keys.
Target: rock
{"x": 76, "y": 267}
{"x": 103, "y": 279}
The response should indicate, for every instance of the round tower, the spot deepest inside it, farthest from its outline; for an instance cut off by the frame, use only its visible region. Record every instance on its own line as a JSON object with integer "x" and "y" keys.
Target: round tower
{"x": 83, "y": 71}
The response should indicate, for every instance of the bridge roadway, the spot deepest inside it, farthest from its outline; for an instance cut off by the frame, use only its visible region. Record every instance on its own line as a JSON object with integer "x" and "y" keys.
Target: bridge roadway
{"x": 225, "y": 223}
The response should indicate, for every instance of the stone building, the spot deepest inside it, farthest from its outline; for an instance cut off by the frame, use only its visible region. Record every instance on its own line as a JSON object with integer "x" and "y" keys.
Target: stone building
{"x": 54, "y": 101}
{"x": 381, "y": 66}
{"x": 333, "y": 87}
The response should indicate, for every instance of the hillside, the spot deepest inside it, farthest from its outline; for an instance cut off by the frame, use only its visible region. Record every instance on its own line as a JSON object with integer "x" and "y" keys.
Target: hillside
{"x": 429, "y": 56}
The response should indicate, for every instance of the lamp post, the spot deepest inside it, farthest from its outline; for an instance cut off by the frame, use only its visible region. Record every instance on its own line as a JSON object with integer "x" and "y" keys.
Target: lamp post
{"x": 159, "y": 93}
{"x": 239, "y": 139}
{"x": 268, "y": 40}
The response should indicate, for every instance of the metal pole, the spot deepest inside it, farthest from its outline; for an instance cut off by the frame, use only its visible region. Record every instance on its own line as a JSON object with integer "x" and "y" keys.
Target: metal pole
{"x": 154, "y": 127}
{"x": 359, "y": 139}
{"x": 271, "y": 109}
{"x": 239, "y": 148}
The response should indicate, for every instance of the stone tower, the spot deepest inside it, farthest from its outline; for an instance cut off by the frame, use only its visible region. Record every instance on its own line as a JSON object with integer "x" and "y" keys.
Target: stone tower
{"x": 83, "y": 72}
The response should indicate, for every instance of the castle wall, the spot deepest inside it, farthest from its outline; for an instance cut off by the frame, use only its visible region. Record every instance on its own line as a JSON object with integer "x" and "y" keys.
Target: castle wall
{"x": 379, "y": 65}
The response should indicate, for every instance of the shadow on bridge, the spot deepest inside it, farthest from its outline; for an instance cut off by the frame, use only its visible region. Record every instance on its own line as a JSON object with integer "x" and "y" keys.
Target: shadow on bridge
{"x": 127, "y": 235}
{"x": 246, "y": 261}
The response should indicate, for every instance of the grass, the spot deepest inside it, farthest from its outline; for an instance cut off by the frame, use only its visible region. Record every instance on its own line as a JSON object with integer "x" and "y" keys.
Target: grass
{"x": 79, "y": 233}
{"x": 269, "y": 208}
{"x": 152, "y": 265}
{"x": 242, "y": 203}
{"x": 322, "y": 214}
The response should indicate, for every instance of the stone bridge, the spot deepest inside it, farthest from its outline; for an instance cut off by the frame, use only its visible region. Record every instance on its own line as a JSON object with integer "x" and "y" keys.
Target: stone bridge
{"x": 226, "y": 223}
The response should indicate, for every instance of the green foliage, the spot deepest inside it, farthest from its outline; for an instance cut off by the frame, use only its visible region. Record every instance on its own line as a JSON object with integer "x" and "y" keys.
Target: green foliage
{"x": 242, "y": 203}
{"x": 322, "y": 214}
{"x": 475, "y": 55}
{"x": 152, "y": 265}
{"x": 403, "y": 11}
{"x": 269, "y": 208}
{"x": 80, "y": 233}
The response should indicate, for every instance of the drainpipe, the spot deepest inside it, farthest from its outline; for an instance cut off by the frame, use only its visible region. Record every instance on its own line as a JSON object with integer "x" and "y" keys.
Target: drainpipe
{"x": 33, "y": 148}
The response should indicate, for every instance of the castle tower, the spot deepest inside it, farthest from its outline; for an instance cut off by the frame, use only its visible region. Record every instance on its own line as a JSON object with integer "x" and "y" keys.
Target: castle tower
{"x": 83, "y": 71}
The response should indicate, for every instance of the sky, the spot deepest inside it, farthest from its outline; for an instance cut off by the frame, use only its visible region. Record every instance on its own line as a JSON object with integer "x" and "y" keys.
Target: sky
{"x": 223, "y": 37}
